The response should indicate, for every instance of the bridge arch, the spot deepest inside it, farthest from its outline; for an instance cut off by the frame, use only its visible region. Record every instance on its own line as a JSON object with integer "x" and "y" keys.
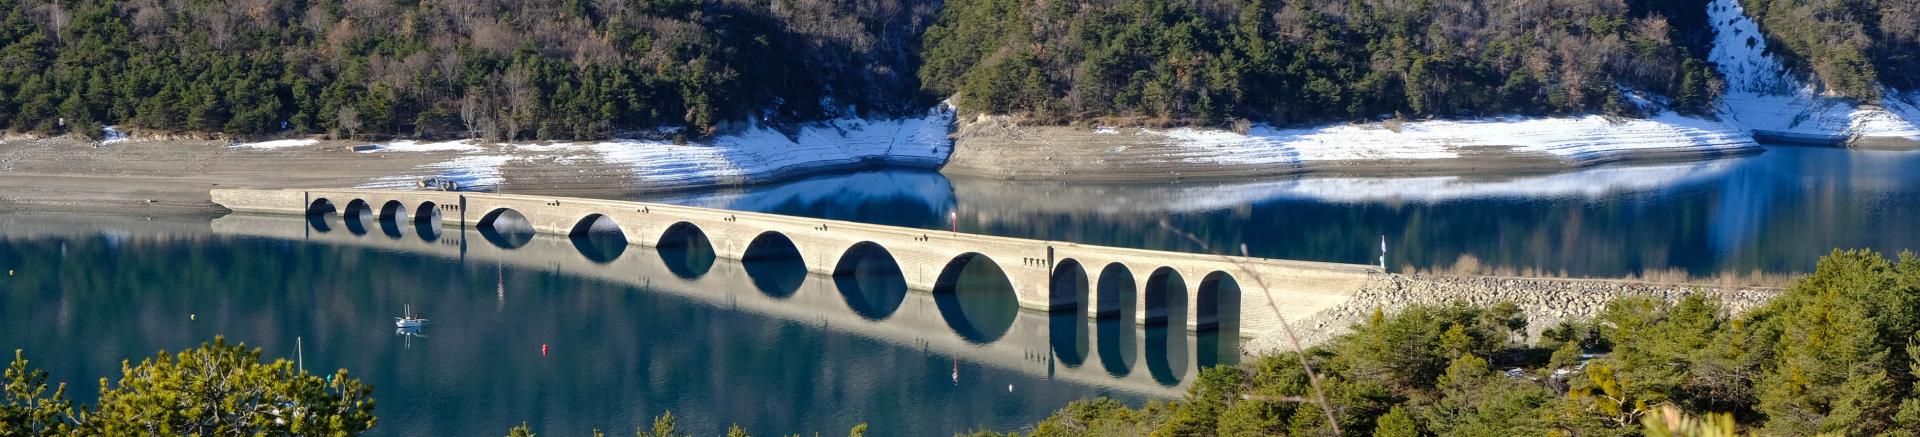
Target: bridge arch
{"x": 317, "y": 214}
{"x": 686, "y": 250}
{"x": 393, "y": 215}
{"x": 357, "y": 216}
{"x": 393, "y": 210}
{"x": 1067, "y": 312}
{"x": 598, "y": 238}
{"x": 1217, "y": 320}
{"x": 426, "y": 221}
{"x": 506, "y": 228}
{"x": 774, "y": 264}
{"x": 1166, "y": 326}
{"x": 1114, "y": 293}
{"x": 975, "y": 298}
{"x": 1067, "y": 287}
{"x": 870, "y": 280}
{"x": 321, "y": 205}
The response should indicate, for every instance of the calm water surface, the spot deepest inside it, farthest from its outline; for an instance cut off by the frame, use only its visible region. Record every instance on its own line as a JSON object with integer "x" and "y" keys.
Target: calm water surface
{"x": 631, "y": 332}
{"x": 1776, "y": 212}
{"x": 571, "y": 335}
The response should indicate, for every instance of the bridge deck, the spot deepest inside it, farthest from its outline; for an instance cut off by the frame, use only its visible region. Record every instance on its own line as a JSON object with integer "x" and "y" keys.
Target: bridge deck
{"x": 1240, "y": 295}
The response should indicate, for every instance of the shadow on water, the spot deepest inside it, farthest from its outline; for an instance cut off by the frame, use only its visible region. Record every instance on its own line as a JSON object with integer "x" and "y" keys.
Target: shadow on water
{"x": 506, "y": 228}
{"x": 870, "y": 280}
{"x": 686, "y": 250}
{"x": 775, "y": 265}
{"x": 598, "y": 238}
{"x": 1067, "y": 313}
{"x": 975, "y": 298}
{"x": 1166, "y": 312}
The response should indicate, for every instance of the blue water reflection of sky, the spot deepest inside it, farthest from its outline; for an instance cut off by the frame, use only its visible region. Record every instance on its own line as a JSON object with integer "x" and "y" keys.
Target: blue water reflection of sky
{"x": 1773, "y": 212}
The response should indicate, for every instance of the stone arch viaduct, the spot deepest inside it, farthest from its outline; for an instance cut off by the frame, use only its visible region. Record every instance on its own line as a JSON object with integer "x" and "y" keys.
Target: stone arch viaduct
{"x": 1233, "y": 296}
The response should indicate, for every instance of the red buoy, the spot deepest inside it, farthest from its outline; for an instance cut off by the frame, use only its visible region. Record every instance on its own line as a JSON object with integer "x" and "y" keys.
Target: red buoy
{"x": 543, "y": 349}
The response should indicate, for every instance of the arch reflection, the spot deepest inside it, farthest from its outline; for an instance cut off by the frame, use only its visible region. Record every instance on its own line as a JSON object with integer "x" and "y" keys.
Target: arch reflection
{"x": 1217, "y": 320}
{"x": 358, "y": 217}
{"x": 426, "y": 221}
{"x": 1166, "y": 326}
{"x": 506, "y": 228}
{"x": 1114, "y": 327}
{"x": 686, "y": 250}
{"x": 976, "y": 298}
{"x": 598, "y": 238}
{"x": 1067, "y": 315}
{"x": 393, "y": 217}
{"x": 774, "y": 264}
{"x": 870, "y": 281}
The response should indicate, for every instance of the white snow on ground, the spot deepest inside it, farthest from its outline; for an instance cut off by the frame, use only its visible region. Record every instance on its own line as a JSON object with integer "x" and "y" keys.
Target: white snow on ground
{"x": 112, "y": 135}
{"x": 857, "y": 188}
{"x": 472, "y": 172}
{"x": 416, "y": 146}
{"x": 1586, "y": 183}
{"x": 1762, "y": 96}
{"x": 276, "y": 144}
{"x": 1576, "y": 140}
{"x": 750, "y": 155}
{"x": 1589, "y": 183}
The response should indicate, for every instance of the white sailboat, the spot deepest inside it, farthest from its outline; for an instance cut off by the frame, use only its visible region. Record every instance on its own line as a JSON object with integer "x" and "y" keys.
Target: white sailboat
{"x": 409, "y": 321}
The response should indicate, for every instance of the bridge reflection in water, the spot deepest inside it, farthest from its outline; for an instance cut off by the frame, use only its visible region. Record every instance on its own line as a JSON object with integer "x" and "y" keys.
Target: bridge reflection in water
{"x": 972, "y": 314}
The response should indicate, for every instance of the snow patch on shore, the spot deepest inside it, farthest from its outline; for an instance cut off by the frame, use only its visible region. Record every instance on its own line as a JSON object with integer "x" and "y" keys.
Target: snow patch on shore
{"x": 1024, "y": 198}
{"x": 1574, "y": 140}
{"x": 417, "y": 146}
{"x": 472, "y": 172}
{"x": 113, "y": 135}
{"x": 277, "y": 144}
{"x": 752, "y": 154}
{"x": 1762, "y": 96}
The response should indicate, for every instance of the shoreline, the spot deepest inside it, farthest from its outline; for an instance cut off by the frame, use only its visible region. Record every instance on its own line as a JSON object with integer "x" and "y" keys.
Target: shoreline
{"x": 996, "y": 147}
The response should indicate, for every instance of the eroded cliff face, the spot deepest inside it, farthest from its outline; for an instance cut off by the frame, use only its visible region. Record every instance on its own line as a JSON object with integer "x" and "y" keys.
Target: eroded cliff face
{"x": 1764, "y": 96}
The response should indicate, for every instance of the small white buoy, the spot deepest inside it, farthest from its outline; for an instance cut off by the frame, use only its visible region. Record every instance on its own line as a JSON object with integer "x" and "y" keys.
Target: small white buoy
{"x": 1009, "y": 388}
{"x": 192, "y": 316}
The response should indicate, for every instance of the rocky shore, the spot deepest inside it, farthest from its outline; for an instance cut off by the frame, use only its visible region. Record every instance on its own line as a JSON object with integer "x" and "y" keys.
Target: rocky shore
{"x": 1546, "y": 302}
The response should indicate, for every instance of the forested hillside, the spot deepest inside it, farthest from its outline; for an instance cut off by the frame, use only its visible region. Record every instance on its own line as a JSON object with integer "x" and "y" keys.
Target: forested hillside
{"x": 1850, "y": 46}
{"x": 496, "y": 68}
{"x": 538, "y": 69}
{"x": 1202, "y": 61}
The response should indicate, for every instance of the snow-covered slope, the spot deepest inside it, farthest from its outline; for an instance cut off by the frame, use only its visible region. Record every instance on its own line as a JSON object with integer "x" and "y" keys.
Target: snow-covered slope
{"x": 996, "y": 147}
{"x": 754, "y": 154}
{"x": 1763, "y": 97}
{"x": 1572, "y": 140}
